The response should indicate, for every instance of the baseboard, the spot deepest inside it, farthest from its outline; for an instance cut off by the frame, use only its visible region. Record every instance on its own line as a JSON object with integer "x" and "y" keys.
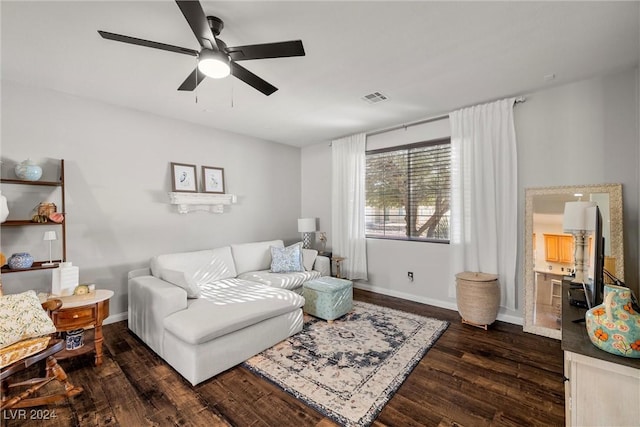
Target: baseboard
{"x": 430, "y": 301}
{"x": 113, "y": 318}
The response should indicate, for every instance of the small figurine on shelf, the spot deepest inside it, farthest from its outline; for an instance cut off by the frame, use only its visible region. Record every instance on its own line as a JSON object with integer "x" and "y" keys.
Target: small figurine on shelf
{"x": 84, "y": 289}
{"x": 323, "y": 240}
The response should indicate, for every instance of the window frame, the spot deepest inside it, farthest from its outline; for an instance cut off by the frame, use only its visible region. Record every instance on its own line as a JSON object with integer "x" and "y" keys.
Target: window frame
{"x": 408, "y": 147}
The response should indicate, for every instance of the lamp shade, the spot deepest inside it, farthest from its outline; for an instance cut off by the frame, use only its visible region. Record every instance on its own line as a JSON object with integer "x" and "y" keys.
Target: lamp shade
{"x": 306, "y": 225}
{"x": 214, "y": 64}
{"x": 590, "y": 222}
{"x": 50, "y": 235}
{"x": 575, "y": 216}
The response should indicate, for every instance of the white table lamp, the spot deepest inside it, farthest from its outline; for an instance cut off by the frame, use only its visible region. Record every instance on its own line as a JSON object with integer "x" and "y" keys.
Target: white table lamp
{"x": 306, "y": 226}
{"x": 49, "y": 236}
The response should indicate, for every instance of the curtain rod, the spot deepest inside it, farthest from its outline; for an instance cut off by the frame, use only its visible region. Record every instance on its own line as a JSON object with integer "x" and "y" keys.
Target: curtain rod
{"x": 518, "y": 100}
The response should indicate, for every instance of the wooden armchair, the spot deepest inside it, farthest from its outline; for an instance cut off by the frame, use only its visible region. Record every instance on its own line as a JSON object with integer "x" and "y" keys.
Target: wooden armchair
{"x": 26, "y": 353}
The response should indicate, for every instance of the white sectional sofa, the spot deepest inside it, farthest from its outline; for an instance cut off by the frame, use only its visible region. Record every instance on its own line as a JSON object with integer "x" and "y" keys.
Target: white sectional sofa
{"x": 206, "y": 311}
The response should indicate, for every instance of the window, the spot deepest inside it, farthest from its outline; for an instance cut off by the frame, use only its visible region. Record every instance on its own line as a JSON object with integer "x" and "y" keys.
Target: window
{"x": 408, "y": 192}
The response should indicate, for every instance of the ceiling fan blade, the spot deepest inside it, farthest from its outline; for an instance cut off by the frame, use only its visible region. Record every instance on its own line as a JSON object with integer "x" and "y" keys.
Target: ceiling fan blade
{"x": 190, "y": 83}
{"x": 193, "y": 13}
{"x": 147, "y": 43}
{"x": 267, "y": 50}
{"x": 251, "y": 79}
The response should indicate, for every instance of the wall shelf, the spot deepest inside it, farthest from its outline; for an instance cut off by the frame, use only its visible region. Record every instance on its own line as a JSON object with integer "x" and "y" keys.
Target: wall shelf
{"x": 192, "y": 202}
{"x": 27, "y": 198}
{"x": 37, "y": 265}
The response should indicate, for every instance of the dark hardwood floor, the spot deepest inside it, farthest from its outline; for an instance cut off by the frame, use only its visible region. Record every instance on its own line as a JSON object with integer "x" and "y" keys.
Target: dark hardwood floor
{"x": 470, "y": 377}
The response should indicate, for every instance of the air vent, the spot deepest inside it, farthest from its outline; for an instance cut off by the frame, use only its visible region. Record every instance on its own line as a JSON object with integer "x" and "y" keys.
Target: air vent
{"x": 375, "y": 97}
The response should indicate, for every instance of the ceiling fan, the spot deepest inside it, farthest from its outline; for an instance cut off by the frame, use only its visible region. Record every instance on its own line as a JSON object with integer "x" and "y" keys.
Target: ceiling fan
{"x": 215, "y": 58}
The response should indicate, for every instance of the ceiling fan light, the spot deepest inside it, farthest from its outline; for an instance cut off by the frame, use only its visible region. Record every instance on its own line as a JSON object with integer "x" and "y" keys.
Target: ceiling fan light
{"x": 214, "y": 64}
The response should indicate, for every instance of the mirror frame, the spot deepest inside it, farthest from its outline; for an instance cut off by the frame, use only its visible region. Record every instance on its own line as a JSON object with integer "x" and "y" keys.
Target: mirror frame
{"x": 616, "y": 237}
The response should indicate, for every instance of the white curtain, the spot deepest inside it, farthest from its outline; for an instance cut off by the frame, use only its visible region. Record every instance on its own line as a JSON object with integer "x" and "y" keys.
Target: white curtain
{"x": 484, "y": 194}
{"x": 348, "y": 201}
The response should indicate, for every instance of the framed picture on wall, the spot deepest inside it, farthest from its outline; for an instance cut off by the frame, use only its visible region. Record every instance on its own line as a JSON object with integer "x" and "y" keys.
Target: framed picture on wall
{"x": 213, "y": 179}
{"x": 183, "y": 178}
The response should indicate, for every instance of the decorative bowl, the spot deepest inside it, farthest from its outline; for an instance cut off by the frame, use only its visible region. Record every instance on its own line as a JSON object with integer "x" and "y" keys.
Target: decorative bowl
{"x": 20, "y": 261}
{"x": 28, "y": 171}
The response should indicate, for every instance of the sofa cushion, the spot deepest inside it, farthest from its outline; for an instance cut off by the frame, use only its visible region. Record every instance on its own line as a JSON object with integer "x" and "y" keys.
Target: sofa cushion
{"x": 198, "y": 267}
{"x": 286, "y": 260}
{"x": 253, "y": 256}
{"x": 229, "y": 305}
{"x": 290, "y": 281}
{"x": 184, "y": 280}
{"x": 309, "y": 258}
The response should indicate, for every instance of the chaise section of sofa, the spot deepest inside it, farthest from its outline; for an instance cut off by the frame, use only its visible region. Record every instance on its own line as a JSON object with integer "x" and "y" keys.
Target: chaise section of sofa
{"x": 202, "y": 316}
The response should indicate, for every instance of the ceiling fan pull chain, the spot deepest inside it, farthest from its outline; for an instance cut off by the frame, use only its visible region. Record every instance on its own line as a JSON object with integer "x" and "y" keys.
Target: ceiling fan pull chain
{"x": 195, "y": 76}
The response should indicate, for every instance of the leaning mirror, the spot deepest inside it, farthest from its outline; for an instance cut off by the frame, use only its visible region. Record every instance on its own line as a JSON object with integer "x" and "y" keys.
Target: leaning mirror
{"x": 549, "y": 251}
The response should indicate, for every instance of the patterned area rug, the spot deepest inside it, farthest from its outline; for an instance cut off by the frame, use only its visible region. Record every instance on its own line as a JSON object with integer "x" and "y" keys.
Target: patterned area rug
{"x": 350, "y": 369}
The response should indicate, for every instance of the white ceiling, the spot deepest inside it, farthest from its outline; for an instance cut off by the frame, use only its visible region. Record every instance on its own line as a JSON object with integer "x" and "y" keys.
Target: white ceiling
{"x": 427, "y": 57}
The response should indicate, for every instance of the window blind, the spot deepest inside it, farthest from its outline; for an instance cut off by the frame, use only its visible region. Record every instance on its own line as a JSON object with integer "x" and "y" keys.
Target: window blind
{"x": 408, "y": 191}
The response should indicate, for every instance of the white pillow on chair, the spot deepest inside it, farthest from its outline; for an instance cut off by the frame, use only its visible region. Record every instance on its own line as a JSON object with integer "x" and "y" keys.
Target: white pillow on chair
{"x": 22, "y": 317}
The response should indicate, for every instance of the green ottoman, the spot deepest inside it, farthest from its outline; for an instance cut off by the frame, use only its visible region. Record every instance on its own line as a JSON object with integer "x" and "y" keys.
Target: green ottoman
{"x": 328, "y": 297}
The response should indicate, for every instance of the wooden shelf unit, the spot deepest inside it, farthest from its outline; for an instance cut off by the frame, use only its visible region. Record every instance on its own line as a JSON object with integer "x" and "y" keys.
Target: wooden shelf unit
{"x": 37, "y": 265}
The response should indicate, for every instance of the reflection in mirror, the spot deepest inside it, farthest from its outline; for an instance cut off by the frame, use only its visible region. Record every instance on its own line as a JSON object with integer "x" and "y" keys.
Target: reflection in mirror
{"x": 549, "y": 251}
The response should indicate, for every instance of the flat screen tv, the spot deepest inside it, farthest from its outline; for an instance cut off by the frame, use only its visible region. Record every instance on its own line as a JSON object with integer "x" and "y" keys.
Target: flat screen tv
{"x": 595, "y": 285}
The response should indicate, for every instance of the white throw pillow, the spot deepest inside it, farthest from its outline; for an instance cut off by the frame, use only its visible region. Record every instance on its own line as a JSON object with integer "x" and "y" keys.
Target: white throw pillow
{"x": 22, "y": 317}
{"x": 286, "y": 260}
{"x": 309, "y": 258}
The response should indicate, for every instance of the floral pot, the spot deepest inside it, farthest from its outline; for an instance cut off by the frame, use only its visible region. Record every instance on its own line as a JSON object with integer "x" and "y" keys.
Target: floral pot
{"x": 614, "y": 326}
{"x": 28, "y": 171}
{"x": 74, "y": 339}
{"x": 20, "y": 260}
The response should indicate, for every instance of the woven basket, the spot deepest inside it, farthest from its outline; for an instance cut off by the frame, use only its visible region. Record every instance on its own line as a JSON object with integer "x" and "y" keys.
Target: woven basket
{"x": 46, "y": 208}
{"x": 478, "y": 297}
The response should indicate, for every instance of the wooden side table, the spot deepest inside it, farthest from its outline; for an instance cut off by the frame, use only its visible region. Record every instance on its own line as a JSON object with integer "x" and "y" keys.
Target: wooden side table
{"x": 338, "y": 260}
{"x": 83, "y": 311}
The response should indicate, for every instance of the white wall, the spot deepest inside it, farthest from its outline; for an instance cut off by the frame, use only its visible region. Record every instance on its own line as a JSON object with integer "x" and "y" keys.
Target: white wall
{"x": 592, "y": 123}
{"x": 117, "y": 180}
{"x": 585, "y": 133}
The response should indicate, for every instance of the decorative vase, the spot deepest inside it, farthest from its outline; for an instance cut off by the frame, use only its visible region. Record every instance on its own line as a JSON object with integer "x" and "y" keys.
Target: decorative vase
{"x": 20, "y": 260}
{"x": 74, "y": 339}
{"x": 4, "y": 208}
{"x": 614, "y": 325}
{"x": 28, "y": 171}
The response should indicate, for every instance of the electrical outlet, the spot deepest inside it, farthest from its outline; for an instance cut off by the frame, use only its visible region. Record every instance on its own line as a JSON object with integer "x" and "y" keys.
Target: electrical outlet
{"x": 410, "y": 275}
